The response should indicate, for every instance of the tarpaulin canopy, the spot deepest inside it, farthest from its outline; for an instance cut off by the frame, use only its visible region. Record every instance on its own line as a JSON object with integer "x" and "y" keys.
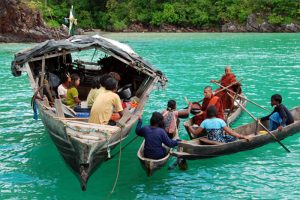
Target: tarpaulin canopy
{"x": 78, "y": 43}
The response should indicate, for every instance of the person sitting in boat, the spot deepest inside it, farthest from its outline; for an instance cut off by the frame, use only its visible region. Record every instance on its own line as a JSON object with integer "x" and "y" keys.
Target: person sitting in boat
{"x": 209, "y": 100}
{"x": 106, "y": 103}
{"x": 155, "y": 135}
{"x": 101, "y": 87}
{"x": 215, "y": 128}
{"x": 227, "y": 79}
{"x": 93, "y": 92}
{"x": 72, "y": 98}
{"x": 63, "y": 87}
{"x": 171, "y": 117}
{"x": 280, "y": 116}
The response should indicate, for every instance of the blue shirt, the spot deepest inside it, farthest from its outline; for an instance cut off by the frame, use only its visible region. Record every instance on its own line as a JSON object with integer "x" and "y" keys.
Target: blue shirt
{"x": 154, "y": 138}
{"x": 215, "y": 130}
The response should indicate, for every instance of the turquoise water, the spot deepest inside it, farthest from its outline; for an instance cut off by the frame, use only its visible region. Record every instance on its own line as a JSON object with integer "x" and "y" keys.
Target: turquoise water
{"x": 31, "y": 167}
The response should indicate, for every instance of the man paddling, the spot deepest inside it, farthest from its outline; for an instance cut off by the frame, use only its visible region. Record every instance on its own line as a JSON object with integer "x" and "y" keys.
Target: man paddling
{"x": 227, "y": 79}
{"x": 209, "y": 100}
{"x": 280, "y": 116}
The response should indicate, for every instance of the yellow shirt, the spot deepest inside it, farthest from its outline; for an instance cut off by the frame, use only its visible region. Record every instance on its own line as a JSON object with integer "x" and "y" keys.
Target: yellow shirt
{"x": 105, "y": 104}
{"x": 93, "y": 95}
{"x": 71, "y": 94}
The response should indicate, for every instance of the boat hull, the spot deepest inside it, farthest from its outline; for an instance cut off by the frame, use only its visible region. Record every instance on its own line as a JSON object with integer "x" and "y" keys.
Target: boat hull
{"x": 194, "y": 150}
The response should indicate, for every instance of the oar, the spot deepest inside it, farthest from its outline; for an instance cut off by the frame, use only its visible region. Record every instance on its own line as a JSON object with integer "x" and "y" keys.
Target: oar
{"x": 223, "y": 89}
{"x": 232, "y": 107}
{"x": 226, "y": 88}
{"x": 261, "y": 124}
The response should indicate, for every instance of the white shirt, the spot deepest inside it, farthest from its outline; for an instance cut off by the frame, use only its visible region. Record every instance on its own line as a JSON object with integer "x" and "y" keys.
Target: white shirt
{"x": 61, "y": 90}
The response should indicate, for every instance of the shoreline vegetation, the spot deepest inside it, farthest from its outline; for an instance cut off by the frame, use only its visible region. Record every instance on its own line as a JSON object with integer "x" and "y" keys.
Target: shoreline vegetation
{"x": 38, "y": 20}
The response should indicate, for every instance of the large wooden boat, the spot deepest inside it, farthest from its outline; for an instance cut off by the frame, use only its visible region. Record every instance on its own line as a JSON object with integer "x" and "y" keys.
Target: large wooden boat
{"x": 203, "y": 148}
{"x": 150, "y": 165}
{"x": 231, "y": 116}
{"x": 85, "y": 145}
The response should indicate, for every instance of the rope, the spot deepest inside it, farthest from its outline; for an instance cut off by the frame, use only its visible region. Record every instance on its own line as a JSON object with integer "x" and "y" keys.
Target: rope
{"x": 119, "y": 165}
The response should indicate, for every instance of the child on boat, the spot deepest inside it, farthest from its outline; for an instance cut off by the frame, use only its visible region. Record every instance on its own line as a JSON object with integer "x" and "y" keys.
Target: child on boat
{"x": 63, "y": 87}
{"x": 93, "y": 92}
{"x": 171, "y": 117}
{"x": 280, "y": 116}
{"x": 215, "y": 128}
{"x": 72, "y": 98}
{"x": 155, "y": 136}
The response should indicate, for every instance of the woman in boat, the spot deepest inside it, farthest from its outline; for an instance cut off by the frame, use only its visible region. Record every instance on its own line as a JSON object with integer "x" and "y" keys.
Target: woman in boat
{"x": 93, "y": 92}
{"x": 155, "y": 136}
{"x": 72, "y": 98}
{"x": 215, "y": 128}
{"x": 171, "y": 117}
{"x": 63, "y": 87}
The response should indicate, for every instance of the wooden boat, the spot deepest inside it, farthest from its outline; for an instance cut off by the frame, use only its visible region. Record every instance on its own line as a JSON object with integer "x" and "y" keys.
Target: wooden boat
{"x": 203, "y": 148}
{"x": 85, "y": 145}
{"x": 236, "y": 112}
{"x": 150, "y": 165}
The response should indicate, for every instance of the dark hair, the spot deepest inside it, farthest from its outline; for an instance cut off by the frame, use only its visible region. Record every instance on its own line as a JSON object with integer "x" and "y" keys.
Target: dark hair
{"x": 110, "y": 84}
{"x": 171, "y": 105}
{"x": 64, "y": 77}
{"x": 103, "y": 79}
{"x": 157, "y": 119}
{"x": 277, "y": 98}
{"x": 211, "y": 112}
{"x": 96, "y": 82}
{"x": 74, "y": 77}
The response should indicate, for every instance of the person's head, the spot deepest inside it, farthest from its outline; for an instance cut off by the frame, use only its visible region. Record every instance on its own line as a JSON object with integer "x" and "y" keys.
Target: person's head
{"x": 276, "y": 99}
{"x": 211, "y": 112}
{"x": 103, "y": 79}
{"x": 96, "y": 82}
{"x": 171, "y": 105}
{"x": 157, "y": 120}
{"x": 66, "y": 78}
{"x": 111, "y": 84}
{"x": 227, "y": 70}
{"x": 208, "y": 92}
{"x": 75, "y": 80}
{"x": 115, "y": 75}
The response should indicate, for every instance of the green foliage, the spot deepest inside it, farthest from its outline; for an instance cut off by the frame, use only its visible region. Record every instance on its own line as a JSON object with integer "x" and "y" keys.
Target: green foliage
{"x": 116, "y": 15}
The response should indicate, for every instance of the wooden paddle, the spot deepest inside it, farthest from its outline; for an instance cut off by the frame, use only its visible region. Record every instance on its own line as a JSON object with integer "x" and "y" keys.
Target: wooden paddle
{"x": 226, "y": 88}
{"x": 259, "y": 122}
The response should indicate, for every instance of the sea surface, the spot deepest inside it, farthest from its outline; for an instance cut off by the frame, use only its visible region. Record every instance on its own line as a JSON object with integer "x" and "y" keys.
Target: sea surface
{"x": 32, "y": 168}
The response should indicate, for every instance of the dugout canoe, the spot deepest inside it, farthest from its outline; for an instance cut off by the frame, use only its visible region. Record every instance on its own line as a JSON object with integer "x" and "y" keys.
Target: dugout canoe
{"x": 230, "y": 119}
{"x": 150, "y": 165}
{"x": 85, "y": 145}
{"x": 203, "y": 148}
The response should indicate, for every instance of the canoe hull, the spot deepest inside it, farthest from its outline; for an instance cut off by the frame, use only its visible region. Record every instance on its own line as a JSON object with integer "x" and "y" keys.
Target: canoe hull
{"x": 194, "y": 150}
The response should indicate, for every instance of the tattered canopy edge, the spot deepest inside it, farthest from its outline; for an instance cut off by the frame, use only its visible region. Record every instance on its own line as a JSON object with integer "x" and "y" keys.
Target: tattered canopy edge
{"x": 78, "y": 43}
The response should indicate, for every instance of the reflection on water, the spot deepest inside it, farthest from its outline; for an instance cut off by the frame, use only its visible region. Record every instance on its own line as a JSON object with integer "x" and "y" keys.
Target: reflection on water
{"x": 31, "y": 167}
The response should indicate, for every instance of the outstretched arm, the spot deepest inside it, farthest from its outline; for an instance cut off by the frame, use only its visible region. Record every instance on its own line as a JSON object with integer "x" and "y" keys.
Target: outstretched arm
{"x": 185, "y": 111}
{"x": 197, "y": 131}
{"x": 234, "y": 134}
{"x": 167, "y": 141}
{"x": 138, "y": 129}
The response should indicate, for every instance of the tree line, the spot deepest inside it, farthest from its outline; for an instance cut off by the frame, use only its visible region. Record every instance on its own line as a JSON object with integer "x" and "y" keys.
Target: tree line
{"x": 117, "y": 15}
